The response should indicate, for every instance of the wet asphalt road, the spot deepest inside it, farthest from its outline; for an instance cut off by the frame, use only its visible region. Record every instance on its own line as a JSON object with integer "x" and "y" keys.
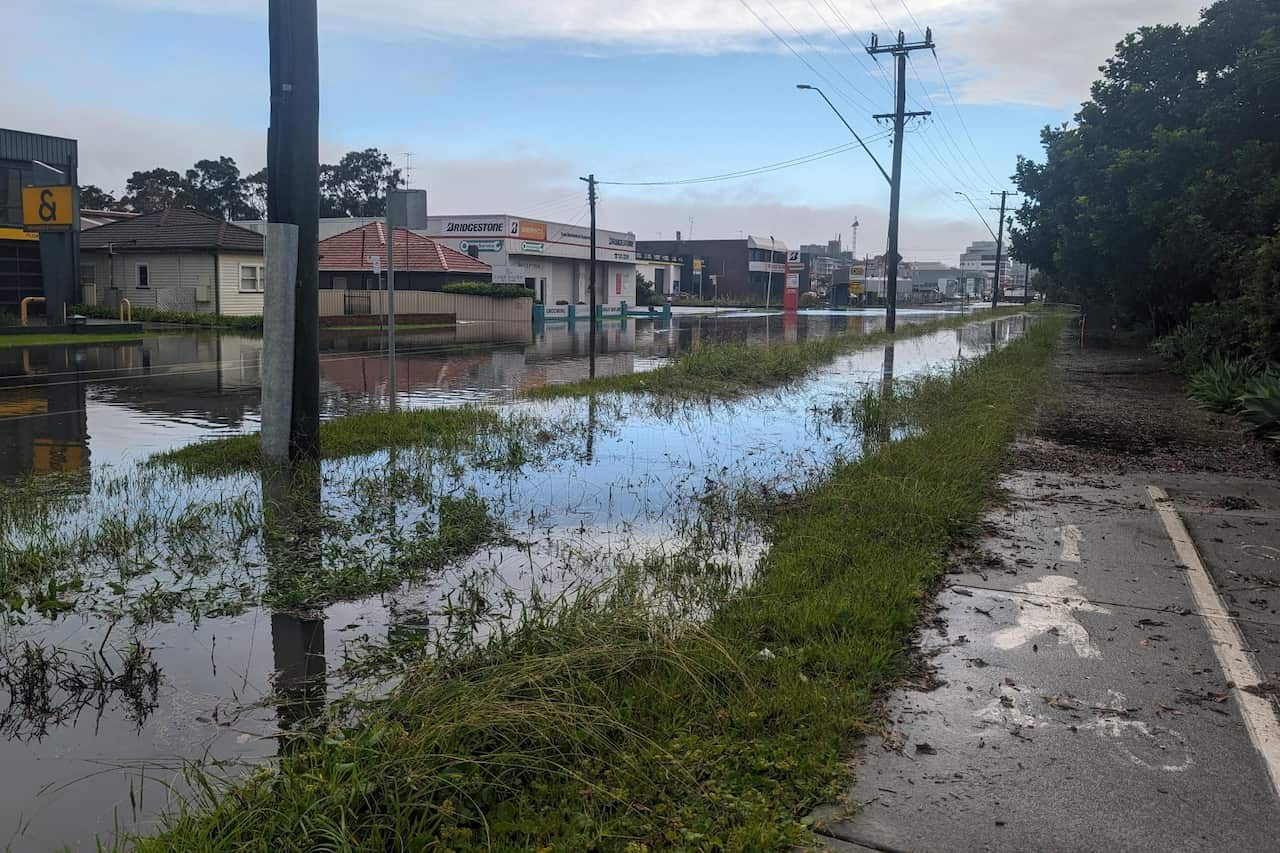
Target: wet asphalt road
{"x": 1071, "y": 696}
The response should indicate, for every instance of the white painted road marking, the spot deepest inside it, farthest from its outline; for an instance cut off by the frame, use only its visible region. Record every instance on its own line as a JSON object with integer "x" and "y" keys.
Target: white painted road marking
{"x": 1228, "y": 646}
{"x": 1055, "y": 616}
{"x": 1071, "y": 539}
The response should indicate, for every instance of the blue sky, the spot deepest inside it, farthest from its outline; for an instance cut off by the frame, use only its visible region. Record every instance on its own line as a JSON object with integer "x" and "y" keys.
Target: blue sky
{"x": 504, "y": 104}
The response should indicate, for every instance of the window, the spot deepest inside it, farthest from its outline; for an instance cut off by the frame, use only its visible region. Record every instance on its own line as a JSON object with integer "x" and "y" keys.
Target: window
{"x": 88, "y": 274}
{"x": 251, "y": 278}
{"x": 144, "y": 277}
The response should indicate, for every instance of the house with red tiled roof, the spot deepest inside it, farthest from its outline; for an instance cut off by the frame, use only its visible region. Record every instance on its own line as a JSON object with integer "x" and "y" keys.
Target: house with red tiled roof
{"x": 421, "y": 263}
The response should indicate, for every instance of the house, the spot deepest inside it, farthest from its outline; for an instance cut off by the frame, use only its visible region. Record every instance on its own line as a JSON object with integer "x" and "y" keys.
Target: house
{"x": 421, "y": 263}
{"x": 174, "y": 260}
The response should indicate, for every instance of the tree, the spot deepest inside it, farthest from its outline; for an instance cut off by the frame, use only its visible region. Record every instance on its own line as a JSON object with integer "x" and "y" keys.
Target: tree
{"x": 214, "y": 187}
{"x": 255, "y": 194}
{"x": 153, "y": 190}
{"x": 357, "y": 184}
{"x": 1164, "y": 192}
{"x": 93, "y": 197}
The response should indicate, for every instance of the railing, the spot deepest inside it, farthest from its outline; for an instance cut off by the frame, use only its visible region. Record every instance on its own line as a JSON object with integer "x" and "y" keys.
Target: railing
{"x": 126, "y": 311}
{"x": 22, "y": 309}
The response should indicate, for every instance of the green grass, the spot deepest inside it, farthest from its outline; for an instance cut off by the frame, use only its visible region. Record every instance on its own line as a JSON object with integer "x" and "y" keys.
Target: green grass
{"x": 734, "y": 369}
{"x": 597, "y": 726}
{"x": 463, "y": 429}
{"x": 34, "y": 340}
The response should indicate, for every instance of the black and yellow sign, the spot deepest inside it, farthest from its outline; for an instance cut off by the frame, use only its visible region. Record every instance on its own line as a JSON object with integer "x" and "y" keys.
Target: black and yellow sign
{"x": 48, "y": 208}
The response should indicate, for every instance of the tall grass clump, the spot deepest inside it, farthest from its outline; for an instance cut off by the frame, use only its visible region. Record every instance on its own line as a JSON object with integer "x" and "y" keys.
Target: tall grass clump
{"x": 596, "y": 725}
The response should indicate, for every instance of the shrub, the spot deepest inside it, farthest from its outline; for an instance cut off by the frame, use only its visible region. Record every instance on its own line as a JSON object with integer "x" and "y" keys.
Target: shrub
{"x": 1260, "y": 403}
{"x": 249, "y": 323}
{"x": 1216, "y": 331}
{"x": 1220, "y": 384}
{"x": 484, "y": 288}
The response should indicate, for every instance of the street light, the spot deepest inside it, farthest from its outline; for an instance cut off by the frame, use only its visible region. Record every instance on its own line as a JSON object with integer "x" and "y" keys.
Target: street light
{"x": 809, "y": 88}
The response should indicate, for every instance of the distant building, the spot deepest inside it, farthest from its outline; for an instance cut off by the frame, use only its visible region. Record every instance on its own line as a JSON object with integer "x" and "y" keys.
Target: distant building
{"x": 174, "y": 260}
{"x": 663, "y": 272}
{"x": 727, "y": 269}
{"x": 981, "y": 257}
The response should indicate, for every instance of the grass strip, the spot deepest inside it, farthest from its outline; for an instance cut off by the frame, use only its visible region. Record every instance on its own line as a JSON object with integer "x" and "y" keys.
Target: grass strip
{"x": 72, "y": 338}
{"x": 462, "y": 429}
{"x": 593, "y": 726}
{"x": 142, "y": 314}
{"x": 735, "y": 369}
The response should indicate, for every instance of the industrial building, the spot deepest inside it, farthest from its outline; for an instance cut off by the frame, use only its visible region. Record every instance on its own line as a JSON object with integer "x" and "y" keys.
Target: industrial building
{"x": 743, "y": 269}
{"x": 36, "y": 264}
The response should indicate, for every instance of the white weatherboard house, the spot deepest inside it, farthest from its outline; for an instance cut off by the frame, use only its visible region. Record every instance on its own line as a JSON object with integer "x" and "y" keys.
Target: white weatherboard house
{"x": 551, "y": 258}
{"x": 174, "y": 260}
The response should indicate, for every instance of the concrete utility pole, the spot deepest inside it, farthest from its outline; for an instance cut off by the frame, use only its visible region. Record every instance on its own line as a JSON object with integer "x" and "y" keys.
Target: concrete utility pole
{"x": 1026, "y": 283}
{"x": 768, "y": 291}
{"x": 293, "y": 196}
{"x": 995, "y": 291}
{"x": 591, "y": 335}
{"x": 900, "y": 50}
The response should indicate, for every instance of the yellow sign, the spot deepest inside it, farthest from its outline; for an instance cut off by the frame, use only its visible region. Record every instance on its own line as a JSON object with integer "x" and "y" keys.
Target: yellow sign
{"x": 17, "y": 234}
{"x": 697, "y": 264}
{"x": 48, "y": 208}
{"x": 855, "y": 288}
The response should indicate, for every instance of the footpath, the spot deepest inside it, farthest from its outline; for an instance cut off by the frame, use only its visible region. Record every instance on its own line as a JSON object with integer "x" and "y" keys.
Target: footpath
{"x": 1103, "y": 667}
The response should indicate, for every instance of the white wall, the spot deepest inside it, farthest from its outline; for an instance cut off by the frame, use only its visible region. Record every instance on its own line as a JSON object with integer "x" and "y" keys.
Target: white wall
{"x": 174, "y": 279}
{"x": 234, "y": 302}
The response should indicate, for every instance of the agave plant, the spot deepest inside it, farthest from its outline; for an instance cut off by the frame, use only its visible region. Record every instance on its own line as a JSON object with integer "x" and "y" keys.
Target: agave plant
{"x": 1260, "y": 403}
{"x": 1220, "y": 385}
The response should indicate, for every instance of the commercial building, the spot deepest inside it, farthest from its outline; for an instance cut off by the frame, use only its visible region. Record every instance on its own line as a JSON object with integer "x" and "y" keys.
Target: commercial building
{"x": 174, "y": 260}
{"x": 551, "y": 258}
{"x": 727, "y": 269}
{"x": 981, "y": 257}
{"x": 663, "y": 272}
{"x": 36, "y": 264}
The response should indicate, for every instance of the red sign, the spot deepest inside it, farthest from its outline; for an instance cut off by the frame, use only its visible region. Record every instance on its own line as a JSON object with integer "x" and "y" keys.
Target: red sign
{"x": 617, "y": 287}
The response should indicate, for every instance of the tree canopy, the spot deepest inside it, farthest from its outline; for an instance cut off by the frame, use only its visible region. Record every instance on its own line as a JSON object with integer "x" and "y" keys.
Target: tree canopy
{"x": 354, "y": 186}
{"x": 1165, "y": 192}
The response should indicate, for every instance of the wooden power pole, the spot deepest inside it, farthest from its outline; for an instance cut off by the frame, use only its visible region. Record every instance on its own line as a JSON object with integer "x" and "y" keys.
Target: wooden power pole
{"x": 995, "y": 291}
{"x": 899, "y": 49}
{"x": 293, "y": 196}
{"x": 591, "y": 336}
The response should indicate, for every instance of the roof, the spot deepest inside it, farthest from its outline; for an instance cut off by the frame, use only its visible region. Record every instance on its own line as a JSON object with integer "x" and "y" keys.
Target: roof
{"x": 94, "y": 218}
{"x": 351, "y": 250}
{"x": 173, "y": 228}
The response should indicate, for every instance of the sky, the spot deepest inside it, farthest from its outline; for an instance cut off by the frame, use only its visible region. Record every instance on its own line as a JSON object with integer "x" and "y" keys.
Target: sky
{"x": 503, "y": 105}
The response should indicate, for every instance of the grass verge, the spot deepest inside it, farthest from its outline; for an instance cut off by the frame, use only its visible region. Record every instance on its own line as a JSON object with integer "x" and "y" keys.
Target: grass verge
{"x": 247, "y": 323}
{"x": 15, "y": 341}
{"x": 595, "y": 726}
{"x": 465, "y": 429}
{"x": 735, "y": 369}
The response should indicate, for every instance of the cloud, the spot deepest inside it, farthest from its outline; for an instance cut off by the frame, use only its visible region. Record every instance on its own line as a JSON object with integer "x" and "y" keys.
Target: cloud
{"x": 1047, "y": 52}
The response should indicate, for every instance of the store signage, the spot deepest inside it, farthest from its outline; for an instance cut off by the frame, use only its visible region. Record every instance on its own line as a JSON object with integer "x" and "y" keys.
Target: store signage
{"x": 556, "y": 311}
{"x": 621, "y": 241}
{"x": 375, "y": 261}
{"x": 793, "y": 258}
{"x": 532, "y": 248}
{"x": 473, "y": 228}
{"x": 618, "y": 285}
{"x": 857, "y": 273}
{"x": 481, "y": 245}
{"x": 48, "y": 208}
{"x": 526, "y": 230}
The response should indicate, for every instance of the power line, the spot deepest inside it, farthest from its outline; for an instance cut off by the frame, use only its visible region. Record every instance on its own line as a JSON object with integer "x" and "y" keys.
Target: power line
{"x": 757, "y": 170}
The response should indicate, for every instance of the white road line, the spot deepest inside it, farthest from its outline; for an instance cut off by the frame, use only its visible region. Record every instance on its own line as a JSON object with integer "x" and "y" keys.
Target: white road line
{"x": 1071, "y": 539}
{"x": 1228, "y": 646}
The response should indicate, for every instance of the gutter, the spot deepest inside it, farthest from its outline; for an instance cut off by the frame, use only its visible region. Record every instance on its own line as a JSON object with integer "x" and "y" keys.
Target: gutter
{"x": 217, "y": 286}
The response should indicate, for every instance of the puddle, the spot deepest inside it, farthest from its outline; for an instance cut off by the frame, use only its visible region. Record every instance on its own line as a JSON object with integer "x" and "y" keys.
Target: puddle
{"x": 162, "y": 656}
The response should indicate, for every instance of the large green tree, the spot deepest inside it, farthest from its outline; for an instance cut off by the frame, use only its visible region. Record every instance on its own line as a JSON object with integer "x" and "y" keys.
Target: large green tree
{"x": 1166, "y": 189}
{"x": 216, "y": 188}
{"x": 357, "y": 184}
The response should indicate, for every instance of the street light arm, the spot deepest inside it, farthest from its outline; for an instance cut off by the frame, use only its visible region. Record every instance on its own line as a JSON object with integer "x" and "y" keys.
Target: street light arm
{"x": 851, "y": 130}
{"x": 980, "y": 216}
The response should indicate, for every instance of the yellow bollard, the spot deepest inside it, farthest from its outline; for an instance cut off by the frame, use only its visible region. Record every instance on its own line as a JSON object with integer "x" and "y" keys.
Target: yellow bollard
{"x": 126, "y": 305}
{"x": 22, "y": 309}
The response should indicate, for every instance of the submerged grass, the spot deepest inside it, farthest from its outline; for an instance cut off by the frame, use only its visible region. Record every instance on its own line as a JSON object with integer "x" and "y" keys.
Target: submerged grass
{"x": 735, "y": 369}
{"x": 598, "y": 725}
{"x": 457, "y": 430}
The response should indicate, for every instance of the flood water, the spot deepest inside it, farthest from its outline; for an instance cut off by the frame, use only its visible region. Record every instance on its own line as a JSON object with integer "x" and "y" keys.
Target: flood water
{"x": 102, "y": 703}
